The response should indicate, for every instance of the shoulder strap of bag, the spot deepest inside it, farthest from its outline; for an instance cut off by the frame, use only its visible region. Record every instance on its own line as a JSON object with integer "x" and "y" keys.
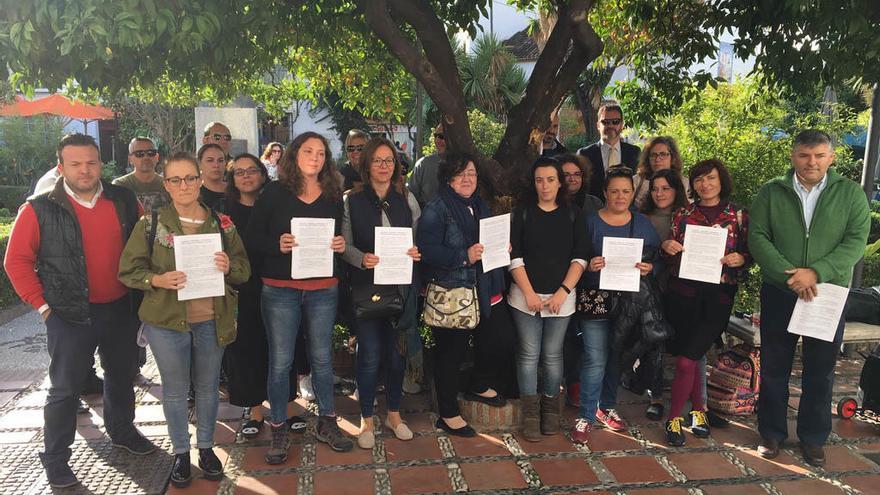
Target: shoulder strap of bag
{"x": 154, "y": 219}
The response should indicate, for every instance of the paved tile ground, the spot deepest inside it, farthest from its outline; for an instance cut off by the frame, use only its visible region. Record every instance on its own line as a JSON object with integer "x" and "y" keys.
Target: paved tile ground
{"x": 635, "y": 462}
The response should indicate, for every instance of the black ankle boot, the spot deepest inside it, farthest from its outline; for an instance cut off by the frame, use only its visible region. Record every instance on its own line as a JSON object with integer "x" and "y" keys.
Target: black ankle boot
{"x": 181, "y": 472}
{"x": 210, "y": 465}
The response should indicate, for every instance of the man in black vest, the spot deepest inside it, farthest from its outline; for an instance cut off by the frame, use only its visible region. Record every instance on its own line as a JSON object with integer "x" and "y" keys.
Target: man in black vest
{"x": 610, "y": 151}
{"x": 63, "y": 259}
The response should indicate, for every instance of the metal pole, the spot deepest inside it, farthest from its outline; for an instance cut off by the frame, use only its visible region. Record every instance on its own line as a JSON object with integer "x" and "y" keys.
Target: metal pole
{"x": 869, "y": 167}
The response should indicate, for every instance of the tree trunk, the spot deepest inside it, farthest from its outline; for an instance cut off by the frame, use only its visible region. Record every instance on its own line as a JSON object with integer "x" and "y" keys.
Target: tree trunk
{"x": 588, "y": 95}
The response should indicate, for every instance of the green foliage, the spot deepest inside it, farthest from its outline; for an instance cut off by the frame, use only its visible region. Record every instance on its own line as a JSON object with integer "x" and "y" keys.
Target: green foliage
{"x": 11, "y": 197}
{"x": 796, "y": 42}
{"x": 7, "y": 293}
{"x": 576, "y": 142}
{"x": 748, "y": 295}
{"x": 28, "y": 148}
{"x": 486, "y": 131}
{"x": 874, "y": 235}
{"x": 748, "y": 128}
{"x": 490, "y": 78}
{"x": 871, "y": 271}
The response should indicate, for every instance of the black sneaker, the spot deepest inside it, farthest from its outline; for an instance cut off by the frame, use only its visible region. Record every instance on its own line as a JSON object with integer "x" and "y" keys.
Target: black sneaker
{"x": 181, "y": 471}
{"x": 674, "y": 435}
{"x": 210, "y": 465}
{"x": 297, "y": 424}
{"x": 277, "y": 452}
{"x": 60, "y": 475}
{"x": 136, "y": 444}
{"x": 699, "y": 424}
{"x": 328, "y": 432}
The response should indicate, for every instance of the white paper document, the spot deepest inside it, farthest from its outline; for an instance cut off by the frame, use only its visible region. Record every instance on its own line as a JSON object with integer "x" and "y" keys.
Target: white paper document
{"x": 395, "y": 266}
{"x": 495, "y": 238}
{"x": 312, "y": 257}
{"x": 194, "y": 256}
{"x": 621, "y": 255}
{"x": 819, "y": 318}
{"x": 703, "y": 249}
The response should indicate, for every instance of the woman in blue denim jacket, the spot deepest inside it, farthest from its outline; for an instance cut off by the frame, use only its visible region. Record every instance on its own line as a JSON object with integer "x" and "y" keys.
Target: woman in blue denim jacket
{"x": 448, "y": 238}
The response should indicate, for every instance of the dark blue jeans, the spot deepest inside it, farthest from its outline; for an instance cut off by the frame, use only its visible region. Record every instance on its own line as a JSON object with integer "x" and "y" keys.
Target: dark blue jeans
{"x": 285, "y": 310}
{"x": 777, "y": 353}
{"x": 113, "y": 331}
{"x": 379, "y": 342}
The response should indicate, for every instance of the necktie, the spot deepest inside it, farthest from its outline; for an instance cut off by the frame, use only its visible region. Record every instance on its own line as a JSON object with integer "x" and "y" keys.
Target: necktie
{"x": 613, "y": 159}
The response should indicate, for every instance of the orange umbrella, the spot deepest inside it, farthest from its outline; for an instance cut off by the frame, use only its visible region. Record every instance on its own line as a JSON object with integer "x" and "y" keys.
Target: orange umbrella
{"x": 56, "y": 105}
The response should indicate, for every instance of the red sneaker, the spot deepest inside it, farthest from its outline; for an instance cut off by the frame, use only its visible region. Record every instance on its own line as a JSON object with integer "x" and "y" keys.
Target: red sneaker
{"x": 580, "y": 432}
{"x": 611, "y": 419}
{"x": 573, "y": 394}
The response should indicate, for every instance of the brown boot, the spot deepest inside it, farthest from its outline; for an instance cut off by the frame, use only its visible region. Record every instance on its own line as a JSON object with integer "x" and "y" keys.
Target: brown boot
{"x": 550, "y": 414}
{"x": 531, "y": 418}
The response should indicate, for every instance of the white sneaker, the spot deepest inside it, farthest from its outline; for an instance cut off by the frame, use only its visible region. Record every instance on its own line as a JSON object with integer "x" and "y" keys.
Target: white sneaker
{"x": 305, "y": 388}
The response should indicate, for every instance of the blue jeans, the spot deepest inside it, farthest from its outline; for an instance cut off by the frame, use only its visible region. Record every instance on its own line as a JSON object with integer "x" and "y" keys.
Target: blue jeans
{"x": 600, "y": 373}
{"x": 378, "y": 341}
{"x": 539, "y": 338}
{"x": 284, "y": 311}
{"x": 181, "y": 356}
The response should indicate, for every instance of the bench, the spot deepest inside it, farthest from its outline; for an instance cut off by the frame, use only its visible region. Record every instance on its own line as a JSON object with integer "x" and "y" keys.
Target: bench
{"x": 854, "y": 332}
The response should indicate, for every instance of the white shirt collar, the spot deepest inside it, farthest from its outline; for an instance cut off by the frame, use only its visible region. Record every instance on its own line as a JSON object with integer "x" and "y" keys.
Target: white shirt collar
{"x": 817, "y": 187}
{"x": 86, "y": 204}
{"x": 606, "y": 145}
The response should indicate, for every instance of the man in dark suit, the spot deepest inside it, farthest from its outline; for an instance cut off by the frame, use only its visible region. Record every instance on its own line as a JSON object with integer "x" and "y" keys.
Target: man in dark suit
{"x": 610, "y": 151}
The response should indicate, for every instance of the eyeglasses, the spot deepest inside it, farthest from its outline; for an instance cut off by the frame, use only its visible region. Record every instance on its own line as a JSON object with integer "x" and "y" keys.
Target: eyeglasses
{"x": 355, "y": 148}
{"x": 463, "y": 175}
{"x": 383, "y": 162}
{"x": 224, "y": 137}
{"x": 660, "y": 154}
{"x": 241, "y": 172}
{"x": 439, "y": 135}
{"x": 141, "y": 153}
{"x": 571, "y": 174}
{"x": 611, "y": 121}
{"x": 177, "y": 181}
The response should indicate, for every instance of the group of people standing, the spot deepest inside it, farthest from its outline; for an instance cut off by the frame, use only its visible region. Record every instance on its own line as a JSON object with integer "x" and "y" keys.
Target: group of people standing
{"x": 102, "y": 278}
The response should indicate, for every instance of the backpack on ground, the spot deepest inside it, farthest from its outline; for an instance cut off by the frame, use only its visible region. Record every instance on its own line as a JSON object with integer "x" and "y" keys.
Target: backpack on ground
{"x": 734, "y": 381}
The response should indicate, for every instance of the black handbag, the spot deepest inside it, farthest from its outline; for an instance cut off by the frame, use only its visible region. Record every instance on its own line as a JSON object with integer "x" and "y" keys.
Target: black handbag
{"x": 371, "y": 301}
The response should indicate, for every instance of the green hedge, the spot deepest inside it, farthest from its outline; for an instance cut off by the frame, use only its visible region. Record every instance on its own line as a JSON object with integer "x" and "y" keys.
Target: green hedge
{"x": 11, "y": 197}
{"x": 7, "y": 294}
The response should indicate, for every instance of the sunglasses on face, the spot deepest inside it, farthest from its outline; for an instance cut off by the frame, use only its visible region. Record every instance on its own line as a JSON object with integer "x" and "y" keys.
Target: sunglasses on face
{"x": 357, "y": 148}
{"x": 611, "y": 121}
{"x": 439, "y": 135}
{"x": 141, "y": 153}
{"x": 241, "y": 172}
{"x": 224, "y": 137}
{"x": 177, "y": 181}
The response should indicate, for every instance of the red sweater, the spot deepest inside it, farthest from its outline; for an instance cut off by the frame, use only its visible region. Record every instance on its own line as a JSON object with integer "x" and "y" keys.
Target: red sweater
{"x": 102, "y": 246}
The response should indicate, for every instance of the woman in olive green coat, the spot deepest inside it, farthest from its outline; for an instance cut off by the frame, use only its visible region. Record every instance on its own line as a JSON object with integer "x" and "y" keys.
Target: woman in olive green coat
{"x": 187, "y": 337}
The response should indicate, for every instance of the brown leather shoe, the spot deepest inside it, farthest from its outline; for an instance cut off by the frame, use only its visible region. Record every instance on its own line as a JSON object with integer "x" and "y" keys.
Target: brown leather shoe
{"x": 814, "y": 455}
{"x": 768, "y": 449}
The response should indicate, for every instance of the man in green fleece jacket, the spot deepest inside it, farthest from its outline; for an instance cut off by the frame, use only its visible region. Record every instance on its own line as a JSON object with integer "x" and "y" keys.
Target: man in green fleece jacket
{"x": 809, "y": 226}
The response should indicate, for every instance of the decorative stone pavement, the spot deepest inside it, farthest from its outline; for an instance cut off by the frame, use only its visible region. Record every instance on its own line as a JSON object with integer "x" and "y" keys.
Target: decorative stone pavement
{"x": 635, "y": 462}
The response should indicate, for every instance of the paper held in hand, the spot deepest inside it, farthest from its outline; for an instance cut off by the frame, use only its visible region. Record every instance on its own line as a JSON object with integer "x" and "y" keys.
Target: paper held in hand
{"x": 819, "y": 318}
{"x": 621, "y": 255}
{"x": 703, "y": 249}
{"x": 395, "y": 266}
{"x": 495, "y": 238}
{"x": 312, "y": 257}
{"x": 194, "y": 256}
